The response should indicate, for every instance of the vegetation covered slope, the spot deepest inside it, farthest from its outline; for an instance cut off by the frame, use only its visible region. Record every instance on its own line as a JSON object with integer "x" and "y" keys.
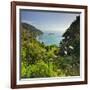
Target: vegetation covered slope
{"x": 39, "y": 60}
{"x": 70, "y": 47}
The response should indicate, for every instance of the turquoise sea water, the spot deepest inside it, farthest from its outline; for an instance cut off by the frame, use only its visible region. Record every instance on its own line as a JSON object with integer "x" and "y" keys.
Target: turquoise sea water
{"x": 49, "y": 38}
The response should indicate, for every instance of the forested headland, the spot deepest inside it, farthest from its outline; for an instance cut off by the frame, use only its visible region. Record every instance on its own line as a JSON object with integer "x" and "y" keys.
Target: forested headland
{"x": 40, "y": 60}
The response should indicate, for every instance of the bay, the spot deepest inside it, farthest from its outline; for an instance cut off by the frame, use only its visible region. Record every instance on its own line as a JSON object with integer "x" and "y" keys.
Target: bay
{"x": 50, "y": 38}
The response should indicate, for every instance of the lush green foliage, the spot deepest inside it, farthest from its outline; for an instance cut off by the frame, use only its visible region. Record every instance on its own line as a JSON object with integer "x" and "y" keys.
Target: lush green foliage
{"x": 39, "y": 60}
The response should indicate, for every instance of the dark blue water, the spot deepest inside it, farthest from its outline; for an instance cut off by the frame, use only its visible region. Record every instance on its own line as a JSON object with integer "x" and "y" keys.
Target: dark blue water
{"x": 50, "y": 38}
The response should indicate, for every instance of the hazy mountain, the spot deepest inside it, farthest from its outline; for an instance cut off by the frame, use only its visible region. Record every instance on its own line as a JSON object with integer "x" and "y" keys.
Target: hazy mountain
{"x": 31, "y": 29}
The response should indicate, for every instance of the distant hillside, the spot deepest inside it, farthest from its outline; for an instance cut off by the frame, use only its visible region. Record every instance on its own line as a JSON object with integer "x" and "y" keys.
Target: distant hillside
{"x": 32, "y": 30}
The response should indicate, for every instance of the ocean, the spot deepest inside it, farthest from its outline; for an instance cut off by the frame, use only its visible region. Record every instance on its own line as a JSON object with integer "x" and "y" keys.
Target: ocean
{"x": 50, "y": 38}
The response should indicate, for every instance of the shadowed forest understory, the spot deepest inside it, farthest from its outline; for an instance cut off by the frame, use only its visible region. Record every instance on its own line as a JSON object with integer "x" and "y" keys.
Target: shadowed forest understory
{"x": 40, "y": 60}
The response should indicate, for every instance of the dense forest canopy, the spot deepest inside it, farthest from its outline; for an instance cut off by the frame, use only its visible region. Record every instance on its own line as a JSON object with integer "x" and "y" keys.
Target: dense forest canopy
{"x": 39, "y": 60}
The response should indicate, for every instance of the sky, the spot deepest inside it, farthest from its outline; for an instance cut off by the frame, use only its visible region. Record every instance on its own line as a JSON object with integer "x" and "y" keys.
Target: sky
{"x": 48, "y": 21}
